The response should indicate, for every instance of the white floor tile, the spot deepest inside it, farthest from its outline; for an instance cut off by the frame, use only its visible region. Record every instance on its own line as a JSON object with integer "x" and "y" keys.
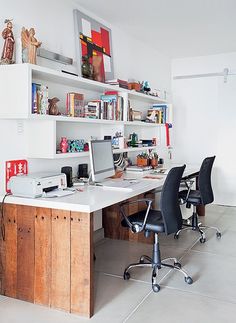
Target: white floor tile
{"x": 174, "y": 306}
{"x": 113, "y": 256}
{"x": 213, "y": 275}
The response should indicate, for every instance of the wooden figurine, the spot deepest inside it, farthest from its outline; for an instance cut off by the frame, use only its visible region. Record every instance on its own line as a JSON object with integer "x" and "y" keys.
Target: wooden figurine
{"x": 29, "y": 45}
{"x": 8, "y": 47}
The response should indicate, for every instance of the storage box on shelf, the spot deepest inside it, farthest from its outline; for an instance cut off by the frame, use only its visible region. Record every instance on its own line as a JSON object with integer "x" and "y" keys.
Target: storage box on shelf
{"x": 45, "y": 131}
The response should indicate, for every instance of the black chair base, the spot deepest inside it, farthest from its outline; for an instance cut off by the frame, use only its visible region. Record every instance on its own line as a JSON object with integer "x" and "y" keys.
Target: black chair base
{"x": 156, "y": 264}
{"x": 197, "y": 226}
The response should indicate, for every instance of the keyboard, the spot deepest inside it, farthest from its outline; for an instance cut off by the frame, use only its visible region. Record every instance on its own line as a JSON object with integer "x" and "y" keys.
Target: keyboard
{"x": 122, "y": 185}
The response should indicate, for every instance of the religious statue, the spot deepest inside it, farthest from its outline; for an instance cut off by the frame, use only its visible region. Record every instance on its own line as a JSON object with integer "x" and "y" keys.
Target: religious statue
{"x": 29, "y": 45}
{"x": 8, "y": 47}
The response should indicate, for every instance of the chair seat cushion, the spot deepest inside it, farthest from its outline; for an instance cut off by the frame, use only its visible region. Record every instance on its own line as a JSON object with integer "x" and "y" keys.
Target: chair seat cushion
{"x": 193, "y": 198}
{"x": 154, "y": 220}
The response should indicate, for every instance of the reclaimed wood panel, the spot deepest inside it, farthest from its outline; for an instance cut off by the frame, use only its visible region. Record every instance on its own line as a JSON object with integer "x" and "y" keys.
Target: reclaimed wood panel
{"x": 112, "y": 222}
{"x": 9, "y": 247}
{"x": 25, "y": 252}
{"x": 60, "y": 281}
{"x": 82, "y": 289}
{"x": 43, "y": 230}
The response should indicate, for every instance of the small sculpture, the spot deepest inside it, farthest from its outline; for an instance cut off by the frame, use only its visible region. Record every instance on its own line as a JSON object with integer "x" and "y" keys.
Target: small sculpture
{"x": 8, "y": 47}
{"x": 53, "y": 108}
{"x": 29, "y": 45}
{"x": 146, "y": 87}
{"x": 86, "y": 67}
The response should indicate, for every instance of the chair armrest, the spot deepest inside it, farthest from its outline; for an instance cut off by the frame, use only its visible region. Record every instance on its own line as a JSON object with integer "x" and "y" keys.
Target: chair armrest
{"x": 188, "y": 183}
{"x": 135, "y": 227}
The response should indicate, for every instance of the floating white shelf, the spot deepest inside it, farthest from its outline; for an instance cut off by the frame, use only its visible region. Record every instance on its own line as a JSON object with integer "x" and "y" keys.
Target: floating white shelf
{"x": 115, "y": 151}
{"x": 95, "y": 121}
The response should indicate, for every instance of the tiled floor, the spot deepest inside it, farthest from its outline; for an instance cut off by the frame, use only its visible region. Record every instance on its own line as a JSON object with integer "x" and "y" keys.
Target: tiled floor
{"x": 211, "y": 298}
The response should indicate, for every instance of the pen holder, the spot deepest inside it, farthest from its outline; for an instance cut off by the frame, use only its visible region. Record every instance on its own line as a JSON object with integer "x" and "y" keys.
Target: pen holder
{"x": 142, "y": 161}
{"x": 154, "y": 162}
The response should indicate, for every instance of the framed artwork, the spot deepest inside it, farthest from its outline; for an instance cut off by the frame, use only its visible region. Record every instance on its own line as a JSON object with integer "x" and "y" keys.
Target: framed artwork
{"x": 94, "y": 48}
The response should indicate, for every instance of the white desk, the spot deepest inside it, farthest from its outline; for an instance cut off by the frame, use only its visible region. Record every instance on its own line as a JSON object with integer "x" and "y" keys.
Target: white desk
{"x": 93, "y": 198}
{"x": 48, "y": 250}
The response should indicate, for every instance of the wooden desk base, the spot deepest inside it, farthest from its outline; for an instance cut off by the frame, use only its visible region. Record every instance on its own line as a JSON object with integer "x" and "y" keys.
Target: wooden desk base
{"x": 47, "y": 258}
{"x": 112, "y": 223}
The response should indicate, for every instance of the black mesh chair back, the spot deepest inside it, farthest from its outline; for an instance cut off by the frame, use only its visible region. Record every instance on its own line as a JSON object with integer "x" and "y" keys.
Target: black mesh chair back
{"x": 204, "y": 180}
{"x": 169, "y": 203}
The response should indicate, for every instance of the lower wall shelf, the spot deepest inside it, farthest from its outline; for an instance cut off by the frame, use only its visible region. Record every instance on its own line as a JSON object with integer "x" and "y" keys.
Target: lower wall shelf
{"x": 115, "y": 151}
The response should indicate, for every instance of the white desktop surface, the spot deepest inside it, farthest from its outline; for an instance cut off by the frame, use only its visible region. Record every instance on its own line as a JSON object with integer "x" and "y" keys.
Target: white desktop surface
{"x": 94, "y": 198}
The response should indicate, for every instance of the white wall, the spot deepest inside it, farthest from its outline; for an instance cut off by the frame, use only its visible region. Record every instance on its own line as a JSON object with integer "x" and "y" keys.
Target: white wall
{"x": 205, "y": 118}
{"x": 53, "y": 22}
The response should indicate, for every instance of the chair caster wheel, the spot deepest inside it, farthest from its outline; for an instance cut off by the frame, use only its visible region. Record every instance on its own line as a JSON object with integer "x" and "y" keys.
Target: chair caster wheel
{"x": 126, "y": 275}
{"x": 176, "y": 236}
{"x": 218, "y": 235}
{"x": 188, "y": 280}
{"x": 202, "y": 240}
{"x": 177, "y": 264}
{"x": 156, "y": 288}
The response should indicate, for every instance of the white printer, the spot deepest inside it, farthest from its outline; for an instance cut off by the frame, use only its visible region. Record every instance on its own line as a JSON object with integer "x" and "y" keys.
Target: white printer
{"x": 36, "y": 184}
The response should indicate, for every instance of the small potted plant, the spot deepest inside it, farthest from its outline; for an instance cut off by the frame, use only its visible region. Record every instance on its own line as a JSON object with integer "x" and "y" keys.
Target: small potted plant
{"x": 153, "y": 159}
{"x": 143, "y": 159}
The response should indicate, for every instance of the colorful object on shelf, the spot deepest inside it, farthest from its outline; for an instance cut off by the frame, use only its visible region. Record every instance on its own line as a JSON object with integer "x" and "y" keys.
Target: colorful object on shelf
{"x": 13, "y": 168}
{"x": 146, "y": 87}
{"x": 95, "y": 43}
{"x": 86, "y": 147}
{"x": 134, "y": 139}
{"x": 168, "y": 126}
{"x": 75, "y": 145}
{"x": 63, "y": 145}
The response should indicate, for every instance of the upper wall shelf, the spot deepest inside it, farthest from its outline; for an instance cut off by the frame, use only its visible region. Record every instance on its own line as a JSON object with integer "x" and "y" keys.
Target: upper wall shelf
{"x": 16, "y": 80}
{"x": 92, "y": 121}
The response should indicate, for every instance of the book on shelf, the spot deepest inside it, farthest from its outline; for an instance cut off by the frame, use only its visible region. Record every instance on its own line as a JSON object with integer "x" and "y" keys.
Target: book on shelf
{"x": 75, "y": 104}
{"x": 121, "y": 83}
{"x": 112, "y": 107}
{"x": 39, "y": 98}
{"x": 157, "y": 114}
{"x": 93, "y": 109}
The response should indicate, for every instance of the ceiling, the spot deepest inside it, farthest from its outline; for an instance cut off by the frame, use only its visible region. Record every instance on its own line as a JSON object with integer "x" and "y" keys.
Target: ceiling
{"x": 176, "y": 28}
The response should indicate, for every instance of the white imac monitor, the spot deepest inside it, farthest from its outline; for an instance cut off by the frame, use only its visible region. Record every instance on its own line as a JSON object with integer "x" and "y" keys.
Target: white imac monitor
{"x": 101, "y": 159}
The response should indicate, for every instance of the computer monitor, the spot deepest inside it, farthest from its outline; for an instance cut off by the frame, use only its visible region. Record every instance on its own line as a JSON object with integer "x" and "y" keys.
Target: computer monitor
{"x": 101, "y": 159}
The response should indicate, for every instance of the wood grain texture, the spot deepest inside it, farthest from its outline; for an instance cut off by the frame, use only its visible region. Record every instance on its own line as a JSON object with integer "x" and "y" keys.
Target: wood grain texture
{"x": 9, "y": 258}
{"x": 42, "y": 282}
{"x": 60, "y": 281}
{"x": 25, "y": 252}
{"x": 82, "y": 298}
{"x": 112, "y": 222}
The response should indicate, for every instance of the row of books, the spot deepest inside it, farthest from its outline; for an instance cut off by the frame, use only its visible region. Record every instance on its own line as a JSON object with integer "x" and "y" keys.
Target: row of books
{"x": 109, "y": 107}
{"x": 157, "y": 114}
{"x": 39, "y": 99}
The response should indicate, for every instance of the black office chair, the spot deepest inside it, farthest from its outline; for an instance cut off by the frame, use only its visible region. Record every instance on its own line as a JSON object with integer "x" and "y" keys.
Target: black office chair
{"x": 202, "y": 196}
{"x": 168, "y": 220}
